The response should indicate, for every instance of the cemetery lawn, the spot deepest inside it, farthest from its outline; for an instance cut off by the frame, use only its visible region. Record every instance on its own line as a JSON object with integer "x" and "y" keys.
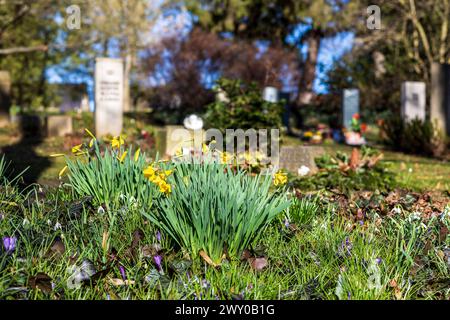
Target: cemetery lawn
{"x": 327, "y": 245}
{"x": 414, "y": 172}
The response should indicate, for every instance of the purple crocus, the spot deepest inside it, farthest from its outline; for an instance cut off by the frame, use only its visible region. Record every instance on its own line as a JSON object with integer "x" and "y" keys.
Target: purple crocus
{"x": 122, "y": 272}
{"x": 286, "y": 223}
{"x": 378, "y": 260}
{"x": 158, "y": 236}
{"x": 9, "y": 243}
{"x": 158, "y": 261}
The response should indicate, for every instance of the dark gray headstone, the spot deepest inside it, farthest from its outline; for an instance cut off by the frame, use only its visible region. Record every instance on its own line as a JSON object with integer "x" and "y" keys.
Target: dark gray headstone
{"x": 440, "y": 96}
{"x": 293, "y": 157}
{"x": 350, "y": 106}
{"x": 5, "y": 96}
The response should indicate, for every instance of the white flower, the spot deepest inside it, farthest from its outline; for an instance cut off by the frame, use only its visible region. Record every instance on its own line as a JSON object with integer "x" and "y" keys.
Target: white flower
{"x": 25, "y": 222}
{"x": 303, "y": 171}
{"x": 57, "y": 226}
{"x": 100, "y": 210}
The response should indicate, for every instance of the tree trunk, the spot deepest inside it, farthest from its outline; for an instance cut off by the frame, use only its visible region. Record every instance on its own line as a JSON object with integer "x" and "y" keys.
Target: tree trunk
{"x": 126, "y": 82}
{"x": 306, "y": 85}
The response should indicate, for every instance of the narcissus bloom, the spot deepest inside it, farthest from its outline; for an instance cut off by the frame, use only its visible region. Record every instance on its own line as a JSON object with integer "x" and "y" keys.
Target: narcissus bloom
{"x": 225, "y": 157}
{"x": 116, "y": 142}
{"x": 150, "y": 172}
{"x": 164, "y": 187}
{"x": 280, "y": 178}
{"x": 122, "y": 157}
{"x": 136, "y": 154}
{"x": 63, "y": 170}
{"x": 77, "y": 148}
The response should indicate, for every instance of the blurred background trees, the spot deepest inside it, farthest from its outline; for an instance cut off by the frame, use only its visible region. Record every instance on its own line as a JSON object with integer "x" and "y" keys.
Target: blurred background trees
{"x": 175, "y": 50}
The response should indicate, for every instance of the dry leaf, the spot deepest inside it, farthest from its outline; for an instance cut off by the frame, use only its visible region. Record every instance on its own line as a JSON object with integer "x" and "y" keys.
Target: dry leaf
{"x": 208, "y": 260}
{"x": 119, "y": 282}
{"x": 258, "y": 263}
{"x": 41, "y": 281}
{"x": 354, "y": 159}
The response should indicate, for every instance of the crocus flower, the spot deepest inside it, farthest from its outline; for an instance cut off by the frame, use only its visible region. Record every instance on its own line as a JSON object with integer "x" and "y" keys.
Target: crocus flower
{"x": 158, "y": 236}
{"x": 158, "y": 261}
{"x": 378, "y": 260}
{"x": 9, "y": 243}
{"x": 122, "y": 273}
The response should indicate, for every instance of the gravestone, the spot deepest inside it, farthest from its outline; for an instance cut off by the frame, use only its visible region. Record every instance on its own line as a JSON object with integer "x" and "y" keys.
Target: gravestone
{"x": 174, "y": 138}
{"x": 286, "y": 97}
{"x": 440, "y": 96}
{"x": 294, "y": 157}
{"x": 270, "y": 94}
{"x": 414, "y": 100}
{"x": 5, "y": 97}
{"x": 350, "y": 106}
{"x": 58, "y": 126}
{"x": 108, "y": 96}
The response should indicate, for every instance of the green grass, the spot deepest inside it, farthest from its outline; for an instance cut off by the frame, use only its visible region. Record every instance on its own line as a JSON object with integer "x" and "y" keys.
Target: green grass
{"x": 326, "y": 256}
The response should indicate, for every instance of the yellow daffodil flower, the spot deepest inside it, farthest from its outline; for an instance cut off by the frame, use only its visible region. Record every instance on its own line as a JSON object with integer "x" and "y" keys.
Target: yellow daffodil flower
{"x": 225, "y": 157}
{"x": 168, "y": 172}
{"x": 205, "y": 148}
{"x": 91, "y": 143}
{"x": 150, "y": 172}
{"x": 116, "y": 142}
{"x": 280, "y": 179}
{"x": 136, "y": 155}
{"x": 164, "y": 187}
{"x": 63, "y": 170}
{"x": 77, "y": 148}
{"x": 56, "y": 155}
{"x": 122, "y": 157}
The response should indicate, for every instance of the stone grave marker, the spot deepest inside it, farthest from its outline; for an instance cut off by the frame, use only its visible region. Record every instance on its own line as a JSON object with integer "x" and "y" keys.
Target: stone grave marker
{"x": 173, "y": 138}
{"x": 270, "y": 94}
{"x": 292, "y": 158}
{"x": 5, "y": 97}
{"x": 59, "y": 126}
{"x": 414, "y": 100}
{"x": 350, "y": 106}
{"x": 440, "y": 96}
{"x": 108, "y": 96}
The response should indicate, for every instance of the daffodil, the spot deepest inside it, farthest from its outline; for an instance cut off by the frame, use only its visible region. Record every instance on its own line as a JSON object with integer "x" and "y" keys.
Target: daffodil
{"x": 55, "y": 155}
{"x": 225, "y": 157}
{"x": 63, "y": 170}
{"x": 168, "y": 172}
{"x": 150, "y": 172}
{"x": 205, "y": 148}
{"x": 122, "y": 157}
{"x": 116, "y": 142}
{"x": 91, "y": 143}
{"x": 179, "y": 152}
{"x": 164, "y": 187}
{"x": 136, "y": 155}
{"x": 77, "y": 148}
{"x": 280, "y": 178}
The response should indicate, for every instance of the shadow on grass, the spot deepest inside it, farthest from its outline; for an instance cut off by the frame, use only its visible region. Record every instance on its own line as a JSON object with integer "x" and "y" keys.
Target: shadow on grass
{"x": 23, "y": 155}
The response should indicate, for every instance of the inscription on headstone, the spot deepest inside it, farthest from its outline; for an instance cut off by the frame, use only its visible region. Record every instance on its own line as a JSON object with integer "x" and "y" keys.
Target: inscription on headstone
{"x": 413, "y": 100}
{"x": 108, "y": 96}
{"x": 440, "y": 96}
{"x": 350, "y": 106}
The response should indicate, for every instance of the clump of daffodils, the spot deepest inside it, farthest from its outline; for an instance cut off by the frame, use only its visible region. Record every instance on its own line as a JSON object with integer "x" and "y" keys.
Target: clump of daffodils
{"x": 280, "y": 179}
{"x": 159, "y": 178}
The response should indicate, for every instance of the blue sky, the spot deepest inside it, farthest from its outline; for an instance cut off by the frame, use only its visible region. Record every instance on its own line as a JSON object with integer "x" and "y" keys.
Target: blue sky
{"x": 331, "y": 50}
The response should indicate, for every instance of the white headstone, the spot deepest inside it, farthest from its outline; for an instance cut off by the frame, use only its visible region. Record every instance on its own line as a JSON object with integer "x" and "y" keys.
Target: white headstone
{"x": 414, "y": 100}
{"x": 108, "y": 96}
{"x": 270, "y": 94}
{"x": 350, "y": 106}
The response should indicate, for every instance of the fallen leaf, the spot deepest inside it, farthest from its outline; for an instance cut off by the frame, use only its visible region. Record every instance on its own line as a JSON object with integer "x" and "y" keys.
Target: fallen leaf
{"x": 207, "y": 259}
{"x": 119, "y": 282}
{"x": 354, "y": 159}
{"x": 41, "y": 281}
{"x": 258, "y": 263}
